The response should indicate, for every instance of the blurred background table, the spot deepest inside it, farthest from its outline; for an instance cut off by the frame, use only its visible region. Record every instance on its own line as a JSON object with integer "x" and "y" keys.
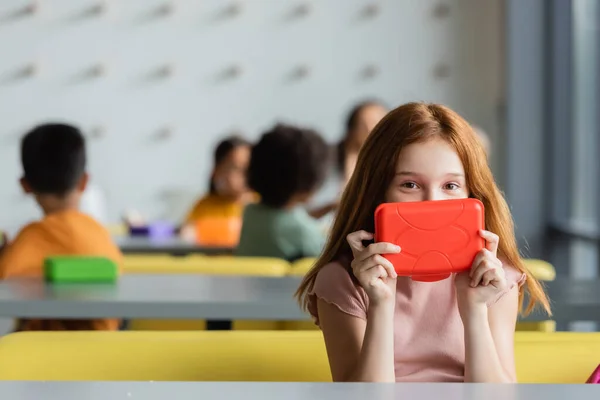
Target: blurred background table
{"x": 173, "y": 246}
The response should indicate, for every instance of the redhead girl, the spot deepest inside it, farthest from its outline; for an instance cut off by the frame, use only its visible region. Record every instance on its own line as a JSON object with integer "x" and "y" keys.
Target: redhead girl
{"x": 379, "y": 327}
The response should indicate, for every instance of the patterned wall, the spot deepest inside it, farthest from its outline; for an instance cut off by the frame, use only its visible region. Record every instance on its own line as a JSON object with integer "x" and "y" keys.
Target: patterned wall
{"x": 156, "y": 83}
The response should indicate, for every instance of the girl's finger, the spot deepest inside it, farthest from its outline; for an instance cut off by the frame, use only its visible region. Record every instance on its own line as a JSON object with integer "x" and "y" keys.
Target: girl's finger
{"x": 490, "y": 277}
{"x": 376, "y": 274}
{"x": 491, "y": 241}
{"x": 377, "y": 248}
{"x": 476, "y": 261}
{"x": 387, "y": 265}
{"x": 355, "y": 240}
{"x": 359, "y": 267}
{"x": 483, "y": 267}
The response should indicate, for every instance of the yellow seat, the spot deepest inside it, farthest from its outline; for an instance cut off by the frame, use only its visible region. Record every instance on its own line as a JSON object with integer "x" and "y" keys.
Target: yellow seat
{"x": 301, "y": 267}
{"x": 536, "y": 326}
{"x": 217, "y": 265}
{"x": 561, "y": 357}
{"x": 198, "y": 264}
{"x": 540, "y": 269}
{"x": 164, "y": 356}
{"x": 151, "y": 263}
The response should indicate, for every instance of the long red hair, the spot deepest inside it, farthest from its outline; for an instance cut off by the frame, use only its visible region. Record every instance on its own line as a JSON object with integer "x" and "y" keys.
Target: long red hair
{"x": 375, "y": 168}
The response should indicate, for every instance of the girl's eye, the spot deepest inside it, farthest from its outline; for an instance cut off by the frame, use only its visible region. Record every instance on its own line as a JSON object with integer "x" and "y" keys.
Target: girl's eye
{"x": 451, "y": 186}
{"x": 409, "y": 185}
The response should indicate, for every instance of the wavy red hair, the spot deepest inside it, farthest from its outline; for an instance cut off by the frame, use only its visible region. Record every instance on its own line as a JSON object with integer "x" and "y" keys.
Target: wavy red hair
{"x": 407, "y": 124}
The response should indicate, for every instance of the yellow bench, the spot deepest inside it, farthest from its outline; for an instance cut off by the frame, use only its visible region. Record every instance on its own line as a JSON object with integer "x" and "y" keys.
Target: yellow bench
{"x": 164, "y": 356}
{"x": 194, "y": 264}
{"x": 563, "y": 357}
{"x": 148, "y": 263}
{"x": 542, "y": 270}
{"x": 301, "y": 267}
{"x": 558, "y": 357}
{"x": 199, "y": 264}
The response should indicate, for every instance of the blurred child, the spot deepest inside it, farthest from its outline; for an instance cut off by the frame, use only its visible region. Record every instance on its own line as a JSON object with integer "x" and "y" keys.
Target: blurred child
{"x": 287, "y": 166}
{"x": 360, "y": 122}
{"x": 228, "y": 192}
{"x": 54, "y": 163}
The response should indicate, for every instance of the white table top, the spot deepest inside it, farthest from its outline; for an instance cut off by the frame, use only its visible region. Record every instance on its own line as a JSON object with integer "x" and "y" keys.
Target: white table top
{"x": 288, "y": 391}
{"x": 155, "y": 296}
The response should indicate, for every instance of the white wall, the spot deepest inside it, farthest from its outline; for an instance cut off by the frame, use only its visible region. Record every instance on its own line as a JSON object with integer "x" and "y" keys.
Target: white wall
{"x": 139, "y": 169}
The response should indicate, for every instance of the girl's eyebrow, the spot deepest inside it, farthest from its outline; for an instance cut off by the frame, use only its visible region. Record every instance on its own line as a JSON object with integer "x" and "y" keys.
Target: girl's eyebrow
{"x": 410, "y": 173}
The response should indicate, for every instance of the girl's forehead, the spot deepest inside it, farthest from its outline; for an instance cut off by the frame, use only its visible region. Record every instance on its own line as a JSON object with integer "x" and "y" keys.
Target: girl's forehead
{"x": 432, "y": 157}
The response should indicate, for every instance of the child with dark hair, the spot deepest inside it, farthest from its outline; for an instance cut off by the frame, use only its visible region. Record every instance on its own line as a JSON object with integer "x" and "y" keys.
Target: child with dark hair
{"x": 228, "y": 192}
{"x": 287, "y": 166}
{"x": 54, "y": 166}
{"x": 216, "y": 218}
{"x": 358, "y": 124}
{"x": 360, "y": 121}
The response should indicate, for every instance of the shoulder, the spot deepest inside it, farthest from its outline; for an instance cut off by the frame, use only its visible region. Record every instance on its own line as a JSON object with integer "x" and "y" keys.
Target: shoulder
{"x": 90, "y": 222}
{"x": 98, "y": 233}
{"x": 27, "y": 234}
{"x": 304, "y": 223}
{"x": 29, "y": 229}
{"x": 334, "y": 285}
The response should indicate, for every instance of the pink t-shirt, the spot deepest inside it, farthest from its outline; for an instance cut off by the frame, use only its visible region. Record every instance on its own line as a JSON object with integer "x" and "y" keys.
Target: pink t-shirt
{"x": 429, "y": 341}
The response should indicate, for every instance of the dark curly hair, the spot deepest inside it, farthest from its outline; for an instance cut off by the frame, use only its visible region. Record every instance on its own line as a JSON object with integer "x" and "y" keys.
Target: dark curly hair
{"x": 286, "y": 161}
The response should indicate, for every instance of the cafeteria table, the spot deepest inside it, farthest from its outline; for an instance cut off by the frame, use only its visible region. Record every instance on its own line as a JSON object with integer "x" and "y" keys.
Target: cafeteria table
{"x": 212, "y": 297}
{"x": 174, "y": 246}
{"x": 177, "y": 296}
{"x": 30, "y": 390}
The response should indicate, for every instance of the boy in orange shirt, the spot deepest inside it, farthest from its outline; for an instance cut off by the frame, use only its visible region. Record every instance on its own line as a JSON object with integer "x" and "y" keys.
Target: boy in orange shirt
{"x": 54, "y": 159}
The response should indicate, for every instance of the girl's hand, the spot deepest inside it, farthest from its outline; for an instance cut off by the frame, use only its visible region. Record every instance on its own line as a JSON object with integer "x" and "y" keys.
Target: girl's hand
{"x": 486, "y": 279}
{"x": 375, "y": 273}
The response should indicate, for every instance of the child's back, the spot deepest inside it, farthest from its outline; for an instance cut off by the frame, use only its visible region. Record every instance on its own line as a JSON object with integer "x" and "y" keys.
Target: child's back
{"x": 287, "y": 234}
{"x": 53, "y": 159}
{"x": 67, "y": 232}
{"x": 286, "y": 167}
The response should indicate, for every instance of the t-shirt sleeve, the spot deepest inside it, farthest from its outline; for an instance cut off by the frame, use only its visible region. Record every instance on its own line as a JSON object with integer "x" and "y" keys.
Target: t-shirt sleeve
{"x": 334, "y": 285}
{"x": 514, "y": 278}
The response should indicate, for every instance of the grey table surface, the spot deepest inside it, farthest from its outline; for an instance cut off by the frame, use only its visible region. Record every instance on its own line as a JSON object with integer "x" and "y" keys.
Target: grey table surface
{"x": 288, "y": 391}
{"x": 173, "y": 245}
{"x": 217, "y": 297}
{"x": 154, "y": 296}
